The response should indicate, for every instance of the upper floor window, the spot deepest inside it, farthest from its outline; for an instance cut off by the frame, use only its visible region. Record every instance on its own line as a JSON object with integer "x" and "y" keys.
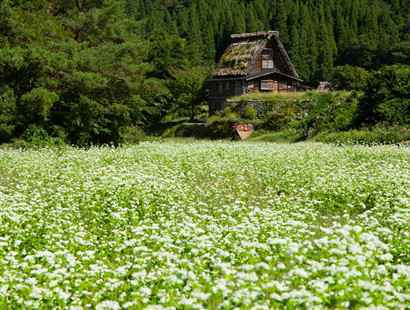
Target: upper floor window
{"x": 267, "y": 64}
{"x": 267, "y": 59}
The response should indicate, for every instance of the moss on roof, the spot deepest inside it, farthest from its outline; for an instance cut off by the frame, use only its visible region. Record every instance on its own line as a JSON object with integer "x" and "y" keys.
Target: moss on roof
{"x": 236, "y": 58}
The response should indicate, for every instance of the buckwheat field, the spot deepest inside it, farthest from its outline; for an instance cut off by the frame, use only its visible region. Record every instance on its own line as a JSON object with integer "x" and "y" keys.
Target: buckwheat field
{"x": 206, "y": 225}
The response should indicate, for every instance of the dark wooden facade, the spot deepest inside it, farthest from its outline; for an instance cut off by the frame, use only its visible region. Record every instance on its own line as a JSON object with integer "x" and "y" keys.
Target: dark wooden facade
{"x": 253, "y": 62}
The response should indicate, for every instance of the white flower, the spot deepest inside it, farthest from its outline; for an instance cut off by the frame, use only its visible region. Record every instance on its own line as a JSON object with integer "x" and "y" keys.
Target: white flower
{"x": 200, "y": 295}
{"x": 187, "y": 302}
{"x": 386, "y": 257}
{"x": 355, "y": 248}
{"x": 145, "y": 291}
{"x": 403, "y": 270}
{"x": 281, "y": 266}
{"x": 36, "y": 292}
{"x": 108, "y": 305}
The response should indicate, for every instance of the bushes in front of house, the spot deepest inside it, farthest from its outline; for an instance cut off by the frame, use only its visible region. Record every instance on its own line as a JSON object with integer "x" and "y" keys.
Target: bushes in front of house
{"x": 282, "y": 136}
{"x": 304, "y": 115}
{"x": 376, "y": 135}
{"x": 309, "y": 113}
{"x": 378, "y": 101}
{"x": 217, "y": 127}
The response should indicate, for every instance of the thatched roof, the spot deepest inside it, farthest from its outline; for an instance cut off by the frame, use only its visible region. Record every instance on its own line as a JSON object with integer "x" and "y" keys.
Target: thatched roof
{"x": 237, "y": 57}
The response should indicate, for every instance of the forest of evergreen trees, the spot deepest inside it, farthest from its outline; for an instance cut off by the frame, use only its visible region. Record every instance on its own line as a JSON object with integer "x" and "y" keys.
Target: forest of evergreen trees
{"x": 319, "y": 34}
{"x": 89, "y": 70}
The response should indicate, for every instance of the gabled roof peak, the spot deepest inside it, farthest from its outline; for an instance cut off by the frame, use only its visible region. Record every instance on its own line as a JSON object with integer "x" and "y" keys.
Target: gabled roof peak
{"x": 253, "y": 35}
{"x": 239, "y": 59}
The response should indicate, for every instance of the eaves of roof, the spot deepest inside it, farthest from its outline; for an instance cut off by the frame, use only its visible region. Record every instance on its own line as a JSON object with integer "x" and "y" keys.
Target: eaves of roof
{"x": 266, "y": 73}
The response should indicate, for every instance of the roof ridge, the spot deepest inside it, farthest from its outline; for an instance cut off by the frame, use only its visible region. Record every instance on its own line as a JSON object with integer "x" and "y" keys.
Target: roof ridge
{"x": 248, "y": 35}
{"x": 238, "y": 55}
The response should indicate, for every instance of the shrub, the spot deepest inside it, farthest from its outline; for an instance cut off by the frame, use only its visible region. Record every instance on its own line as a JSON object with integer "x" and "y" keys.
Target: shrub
{"x": 333, "y": 111}
{"x": 221, "y": 127}
{"x": 275, "y": 120}
{"x": 37, "y": 104}
{"x": 38, "y": 137}
{"x": 7, "y": 114}
{"x": 131, "y": 135}
{"x": 377, "y": 135}
{"x": 308, "y": 113}
{"x": 387, "y": 97}
{"x": 350, "y": 78}
{"x": 249, "y": 113}
{"x": 283, "y": 136}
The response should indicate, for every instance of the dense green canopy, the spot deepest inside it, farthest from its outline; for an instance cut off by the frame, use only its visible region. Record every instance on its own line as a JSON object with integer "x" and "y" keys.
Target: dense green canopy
{"x": 86, "y": 70}
{"x": 317, "y": 33}
{"x": 83, "y": 71}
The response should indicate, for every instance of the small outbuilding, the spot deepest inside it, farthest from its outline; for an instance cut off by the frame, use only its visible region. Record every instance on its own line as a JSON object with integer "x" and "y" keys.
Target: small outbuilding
{"x": 324, "y": 86}
{"x": 252, "y": 62}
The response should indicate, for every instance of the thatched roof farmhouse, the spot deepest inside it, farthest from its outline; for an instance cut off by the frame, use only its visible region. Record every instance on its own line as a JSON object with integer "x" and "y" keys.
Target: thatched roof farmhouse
{"x": 252, "y": 62}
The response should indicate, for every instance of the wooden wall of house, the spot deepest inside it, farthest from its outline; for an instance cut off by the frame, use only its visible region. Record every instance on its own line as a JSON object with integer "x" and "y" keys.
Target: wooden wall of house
{"x": 279, "y": 60}
{"x": 219, "y": 90}
{"x": 275, "y": 82}
{"x": 226, "y": 87}
{"x": 255, "y": 65}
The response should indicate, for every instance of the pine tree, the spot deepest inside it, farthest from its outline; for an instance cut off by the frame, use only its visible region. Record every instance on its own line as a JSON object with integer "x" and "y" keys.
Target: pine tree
{"x": 251, "y": 21}
{"x": 194, "y": 36}
{"x": 326, "y": 49}
{"x": 295, "y": 51}
{"x": 210, "y": 43}
{"x": 280, "y": 21}
{"x": 239, "y": 21}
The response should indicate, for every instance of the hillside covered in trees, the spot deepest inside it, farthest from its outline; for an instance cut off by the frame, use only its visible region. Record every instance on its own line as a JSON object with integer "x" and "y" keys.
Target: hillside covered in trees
{"x": 94, "y": 71}
{"x": 318, "y": 33}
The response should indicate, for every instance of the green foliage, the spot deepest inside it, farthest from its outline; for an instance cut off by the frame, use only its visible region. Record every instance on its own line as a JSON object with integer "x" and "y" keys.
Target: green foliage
{"x": 189, "y": 130}
{"x": 84, "y": 69}
{"x": 38, "y": 104}
{"x": 326, "y": 111}
{"x": 332, "y": 117}
{"x": 387, "y": 97}
{"x": 318, "y": 34}
{"x": 282, "y": 136}
{"x": 350, "y": 78}
{"x": 131, "y": 135}
{"x": 377, "y": 135}
{"x": 7, "y": 114}
{"x": 220, "y": 126}
{"x": 186, "y": 87}
{"x": 309, "y": 113}
{"x": 37, "y": 137}
{"x": 249, "y": 113}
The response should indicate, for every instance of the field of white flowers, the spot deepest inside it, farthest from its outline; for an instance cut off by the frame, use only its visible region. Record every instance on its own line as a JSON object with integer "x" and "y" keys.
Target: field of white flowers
{"x": 213, "y": 225}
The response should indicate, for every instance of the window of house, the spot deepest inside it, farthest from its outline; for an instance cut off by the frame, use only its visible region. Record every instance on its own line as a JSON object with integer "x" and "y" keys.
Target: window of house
{"x": 267, "y": 85}
{"x": 267, "y": 59}
{"x": 267, "y": 64}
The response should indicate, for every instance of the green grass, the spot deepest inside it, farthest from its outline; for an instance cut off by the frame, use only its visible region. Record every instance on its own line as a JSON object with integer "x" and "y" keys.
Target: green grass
{"x": 270, "y": 96}
{"x": 374, "y": 136}
{"x": 216, "y": 225}
{"x": 283, "y": 136}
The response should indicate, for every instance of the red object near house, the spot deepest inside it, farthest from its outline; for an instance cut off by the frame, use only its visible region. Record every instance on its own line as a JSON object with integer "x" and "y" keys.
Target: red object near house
{"x": 244, "y": 131}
